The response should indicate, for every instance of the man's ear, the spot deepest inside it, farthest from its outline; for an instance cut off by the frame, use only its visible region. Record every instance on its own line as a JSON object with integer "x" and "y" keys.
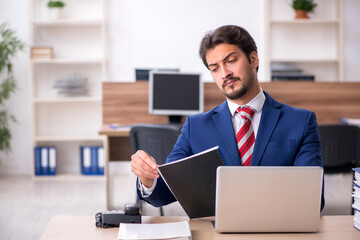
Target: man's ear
{"x": 254, "y": 60}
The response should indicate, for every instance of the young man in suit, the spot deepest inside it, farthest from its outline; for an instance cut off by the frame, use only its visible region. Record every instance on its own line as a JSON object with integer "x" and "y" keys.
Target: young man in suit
{"x": 250, "y": 127}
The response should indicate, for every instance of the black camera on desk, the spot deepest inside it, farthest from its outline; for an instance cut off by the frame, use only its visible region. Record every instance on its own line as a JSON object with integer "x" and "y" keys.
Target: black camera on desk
{"x": 108, "y": 219}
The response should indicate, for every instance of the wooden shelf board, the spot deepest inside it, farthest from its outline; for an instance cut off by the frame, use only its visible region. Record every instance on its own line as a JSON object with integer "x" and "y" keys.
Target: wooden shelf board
{"x": 67, "y": 61}
{"x": 304, "y": 21}
{"x": 64, "y": 176}
{"x": 305, "y": 60}
{"x": 66, "y": 99}
{"x": 68, "y": 22}
{"x": 68, "y": 138}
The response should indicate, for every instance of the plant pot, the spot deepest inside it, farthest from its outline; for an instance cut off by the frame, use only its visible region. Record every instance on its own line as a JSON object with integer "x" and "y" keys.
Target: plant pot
{"x": 301, "y": 14}
{"x": 54, "y": 13}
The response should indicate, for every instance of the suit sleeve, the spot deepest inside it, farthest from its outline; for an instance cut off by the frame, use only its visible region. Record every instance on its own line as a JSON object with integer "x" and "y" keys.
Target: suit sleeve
{"x": 310, "y": 150}
{"x": 309, "y": 153}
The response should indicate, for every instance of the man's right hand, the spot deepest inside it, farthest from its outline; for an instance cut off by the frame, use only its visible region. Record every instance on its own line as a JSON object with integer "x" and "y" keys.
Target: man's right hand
{"x": 144, "y": 166}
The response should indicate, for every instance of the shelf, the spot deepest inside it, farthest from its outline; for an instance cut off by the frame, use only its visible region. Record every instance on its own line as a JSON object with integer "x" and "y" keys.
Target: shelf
{"x": 289, "y": 60}
{"x": 66, "y": 99}
{"x": 304, "y": 21}
{"x": 68, "y": 22}
{"x": 314, "y": 45}
{"x": 67, "y": 61}
{"x": 72, "y": 177}
{"x": 78, "y": 39}
{"x": 68, "y": 138}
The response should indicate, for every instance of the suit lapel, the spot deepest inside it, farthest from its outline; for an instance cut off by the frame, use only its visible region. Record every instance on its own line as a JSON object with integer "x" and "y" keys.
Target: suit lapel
{"x": 223, "y": 123}
{"x": 269, "y": 119}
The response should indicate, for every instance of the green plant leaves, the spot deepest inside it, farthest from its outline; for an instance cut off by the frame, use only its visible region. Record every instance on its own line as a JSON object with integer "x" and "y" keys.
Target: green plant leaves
{"x": 56, "y": 4}
{"x": 9, "y": 46}
{"x": 306, "y": 5}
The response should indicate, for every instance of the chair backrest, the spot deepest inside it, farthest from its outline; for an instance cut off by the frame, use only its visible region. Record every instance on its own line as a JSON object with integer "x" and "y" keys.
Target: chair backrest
{"x": 340, "y": 147}
{"x": 157, "y": 140}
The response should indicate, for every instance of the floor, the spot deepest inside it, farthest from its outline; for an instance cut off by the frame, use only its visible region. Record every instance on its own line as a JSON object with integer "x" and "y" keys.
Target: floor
{"x": 27, "y": 205}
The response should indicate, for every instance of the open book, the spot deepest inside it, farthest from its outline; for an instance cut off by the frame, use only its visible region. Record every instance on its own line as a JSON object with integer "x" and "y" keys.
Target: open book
{"x": 192, "y": 181}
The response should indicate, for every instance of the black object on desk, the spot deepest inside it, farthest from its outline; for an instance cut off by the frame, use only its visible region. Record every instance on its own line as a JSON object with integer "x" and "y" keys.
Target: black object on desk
{"x": 109, "y": 219}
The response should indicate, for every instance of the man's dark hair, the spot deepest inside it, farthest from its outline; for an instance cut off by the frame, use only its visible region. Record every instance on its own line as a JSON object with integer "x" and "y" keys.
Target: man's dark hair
{"x": 229, "y": 34}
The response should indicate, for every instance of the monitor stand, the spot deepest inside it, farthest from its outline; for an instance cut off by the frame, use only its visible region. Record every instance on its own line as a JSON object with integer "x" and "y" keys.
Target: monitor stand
{"x": 175, "y": 119}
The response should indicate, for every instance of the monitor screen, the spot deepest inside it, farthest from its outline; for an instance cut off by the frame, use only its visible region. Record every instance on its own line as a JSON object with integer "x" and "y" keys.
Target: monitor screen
{"x": 175, "y": 94}
{"x": 142, "y": 74}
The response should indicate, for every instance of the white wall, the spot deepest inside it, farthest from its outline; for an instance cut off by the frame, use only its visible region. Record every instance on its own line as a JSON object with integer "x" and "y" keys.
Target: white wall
{"x": 15, "y": 12}
{"x": 351, "y": 40}
{"x": 153, "y": 33}
{"x": 163, "y": 33}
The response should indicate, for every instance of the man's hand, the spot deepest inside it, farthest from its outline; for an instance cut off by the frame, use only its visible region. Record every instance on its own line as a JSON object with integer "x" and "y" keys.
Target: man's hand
{"x": 144, "y": 166}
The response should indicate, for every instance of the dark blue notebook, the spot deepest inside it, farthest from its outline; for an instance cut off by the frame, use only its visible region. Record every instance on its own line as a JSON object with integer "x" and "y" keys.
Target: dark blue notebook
{"x": 192, "y": 181}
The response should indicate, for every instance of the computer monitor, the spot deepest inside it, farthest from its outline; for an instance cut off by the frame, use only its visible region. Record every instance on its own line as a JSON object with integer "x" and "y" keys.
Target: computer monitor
{"x": 142, "y": 74}
{"x": 175, "y": 94}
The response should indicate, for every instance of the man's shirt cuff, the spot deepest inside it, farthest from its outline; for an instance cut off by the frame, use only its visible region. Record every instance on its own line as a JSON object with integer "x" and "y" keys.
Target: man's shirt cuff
{"x": 146, "y": 192}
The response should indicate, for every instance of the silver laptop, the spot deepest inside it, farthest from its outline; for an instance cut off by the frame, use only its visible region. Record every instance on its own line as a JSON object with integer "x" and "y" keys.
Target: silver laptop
{"x": 268, "y": 199}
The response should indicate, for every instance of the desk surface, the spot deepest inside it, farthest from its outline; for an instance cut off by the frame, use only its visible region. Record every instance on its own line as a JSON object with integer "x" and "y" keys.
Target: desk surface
{"x": 83, "y": 227}
{"x": 116, "y": 131}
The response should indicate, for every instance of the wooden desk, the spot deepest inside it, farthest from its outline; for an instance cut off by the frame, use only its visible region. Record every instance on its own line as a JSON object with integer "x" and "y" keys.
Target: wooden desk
{"x": 118, "y": 142}
{"x": 117, "y": 145}
{"x": 83, "y": 227}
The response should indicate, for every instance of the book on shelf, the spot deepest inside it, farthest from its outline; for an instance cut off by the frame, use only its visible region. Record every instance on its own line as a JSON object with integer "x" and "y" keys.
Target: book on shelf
{"x": 292, "y": 77}
{"x": 42, "y": 53}
{"x": 286, "y": 70}
{"x": 290, "y": 74}
{"x": 140, "y": 231}
{"x": 356, "y": 197}
{"x": 92, "y": 160}
{"x": 45, "y": 160}
{"x": 73, "y": 86}
{"x": 192, "y": 181}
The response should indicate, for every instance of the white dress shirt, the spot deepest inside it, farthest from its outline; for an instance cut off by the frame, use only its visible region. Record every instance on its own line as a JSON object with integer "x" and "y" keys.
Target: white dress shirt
{"x": 256, "y": 103}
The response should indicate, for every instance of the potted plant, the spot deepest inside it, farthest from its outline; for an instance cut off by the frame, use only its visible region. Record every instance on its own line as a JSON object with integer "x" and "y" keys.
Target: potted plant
{"x": 303, "y": 7}
{"x": 54, "y": 8}
{"x": 9, "y": 46}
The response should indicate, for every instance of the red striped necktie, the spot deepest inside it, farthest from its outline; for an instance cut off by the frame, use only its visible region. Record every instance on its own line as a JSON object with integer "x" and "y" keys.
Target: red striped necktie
{"x": 245, "y": 138}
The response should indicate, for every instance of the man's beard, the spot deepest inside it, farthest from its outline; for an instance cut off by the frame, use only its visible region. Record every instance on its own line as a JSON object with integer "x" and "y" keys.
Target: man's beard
{"x": 243, "y": 90}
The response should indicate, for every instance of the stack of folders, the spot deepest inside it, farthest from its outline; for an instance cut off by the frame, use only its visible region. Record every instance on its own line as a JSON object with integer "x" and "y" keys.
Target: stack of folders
{"x": 92, "y": 160}
{"x": 72, "y": 86}
{"x": 356, "y": 196}
{"x": 45, "y": 160}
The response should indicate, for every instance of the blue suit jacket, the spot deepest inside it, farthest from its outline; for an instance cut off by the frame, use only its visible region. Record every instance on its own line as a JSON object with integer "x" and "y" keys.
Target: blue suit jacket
{"x": 286, "y": 136}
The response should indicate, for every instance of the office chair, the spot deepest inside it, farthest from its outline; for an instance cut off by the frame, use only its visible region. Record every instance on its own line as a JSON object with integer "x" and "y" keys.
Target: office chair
{"x": 157, "y": 140}
{"x": 340, "y": 152}
{"x": 340, "y": 147}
